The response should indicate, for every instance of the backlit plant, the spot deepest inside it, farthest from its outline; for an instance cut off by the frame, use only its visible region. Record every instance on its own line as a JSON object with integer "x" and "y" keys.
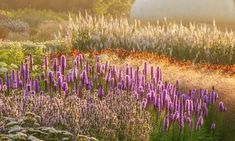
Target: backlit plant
{"x": 108, "y": 102}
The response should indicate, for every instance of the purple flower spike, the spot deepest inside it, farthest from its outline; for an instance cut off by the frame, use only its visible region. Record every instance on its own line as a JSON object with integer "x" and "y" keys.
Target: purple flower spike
{"x": 65, "y": 87}
{"x": 158, "y": 74}
{"x": 100, "y": 92}
{"x": 166, "y": 123}
{"x": 152, "y": 71}
{"x": 50, "y": 76}
{"x": 63, "y": 63}
{"x": 222, "y": 107}
{"x": 60, "y": 81}
{"x": 145, "y": 68}
{"x": 36, "y": 86}
{"x": 191, "y": 124}
{"x": 199, "y": 122}
{"x": 55, "y": 64}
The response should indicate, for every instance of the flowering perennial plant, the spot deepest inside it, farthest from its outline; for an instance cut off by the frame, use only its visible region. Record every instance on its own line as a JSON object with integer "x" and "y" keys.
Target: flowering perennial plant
{"x": 104, "y": 100}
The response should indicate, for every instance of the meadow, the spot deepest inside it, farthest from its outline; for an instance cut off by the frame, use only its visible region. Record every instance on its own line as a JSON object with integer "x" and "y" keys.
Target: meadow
{"x": 76, "y": 76}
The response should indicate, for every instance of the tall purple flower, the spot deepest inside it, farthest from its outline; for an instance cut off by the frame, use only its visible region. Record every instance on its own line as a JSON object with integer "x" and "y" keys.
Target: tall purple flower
{"x": 152, "y": 71}
{"x": 191, "y": 124}
{"x": 200, "y": 122}
{"x": 36, "y": 86}
{"x": 166, "y": 123}
{"x": 145, "y": 68}
{"x": 55, "y": 64}
{"x": 222, "y": 107}
{"x": 50, "y": 76}
{"x": 65, "y": 87}
{"x": 63, "y": 63}
{"x": 100, "y": 91}
{"x": 26, "y": 73}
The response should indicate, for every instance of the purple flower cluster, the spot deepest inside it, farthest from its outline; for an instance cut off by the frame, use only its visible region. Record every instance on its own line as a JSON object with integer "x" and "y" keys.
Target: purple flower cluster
{"x": 102, "y": 79}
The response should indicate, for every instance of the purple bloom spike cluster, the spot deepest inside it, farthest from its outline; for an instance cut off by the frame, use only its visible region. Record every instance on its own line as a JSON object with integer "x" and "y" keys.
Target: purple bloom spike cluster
{"x": 104, "y": 79}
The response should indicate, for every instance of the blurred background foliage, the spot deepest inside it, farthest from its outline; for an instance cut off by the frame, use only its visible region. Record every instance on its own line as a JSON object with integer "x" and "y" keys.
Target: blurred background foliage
{"x": 43, "y": 20}
{"x": 104, "y": 7}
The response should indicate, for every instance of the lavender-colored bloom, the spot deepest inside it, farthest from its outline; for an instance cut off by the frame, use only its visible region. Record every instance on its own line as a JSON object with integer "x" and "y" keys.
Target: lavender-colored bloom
{"x": 98, "y": 68}
{"x": 26, "y": 72}
{"x": 106, "y": 66}
{"x": 152, "y": 71}
{"x": 63, "y": 63}
{"x": 158, "y": 74}
{"x": 100, "y": 91}
{"x": 145, "y": 68}
{"x": 200, "y": 122}
{"x": 127, "y": 69}
{"x": 68, "y": 78}
{"x": 128, "y": 81}
{"x": 166, "y": 123}
{"x": 222, "y": 107}
{"x": 191, "y": 124}
{"x": 36, "y": 86}
{"x": 55, "y": 64}
{"x": 65, "y": 87}
{"x": 181, "y": 121}
{"x": 8, "y": 82}
{"x": 50, "y": 76}
{"x": 60, "y": 81}
{"x": 176, "y": 116}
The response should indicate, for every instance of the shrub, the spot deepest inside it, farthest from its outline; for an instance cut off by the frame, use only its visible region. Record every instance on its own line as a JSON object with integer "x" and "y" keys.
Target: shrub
{"x": 14, "y": 25}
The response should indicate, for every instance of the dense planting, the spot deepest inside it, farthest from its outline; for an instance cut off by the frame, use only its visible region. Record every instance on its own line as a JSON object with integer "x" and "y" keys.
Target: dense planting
{"x": 197, "y": 43}
{"x": 28, "y": 128}
{"x": 109, "y": 102}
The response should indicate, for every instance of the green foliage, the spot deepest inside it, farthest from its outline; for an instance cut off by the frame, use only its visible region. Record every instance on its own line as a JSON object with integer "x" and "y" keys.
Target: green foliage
{"x": 176, "y": 134}
{"x": 113, "y": 7}
{"x": 105, "y": 7}
{"x": 28, "y": 128}
{"x": 12, "y": 53}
